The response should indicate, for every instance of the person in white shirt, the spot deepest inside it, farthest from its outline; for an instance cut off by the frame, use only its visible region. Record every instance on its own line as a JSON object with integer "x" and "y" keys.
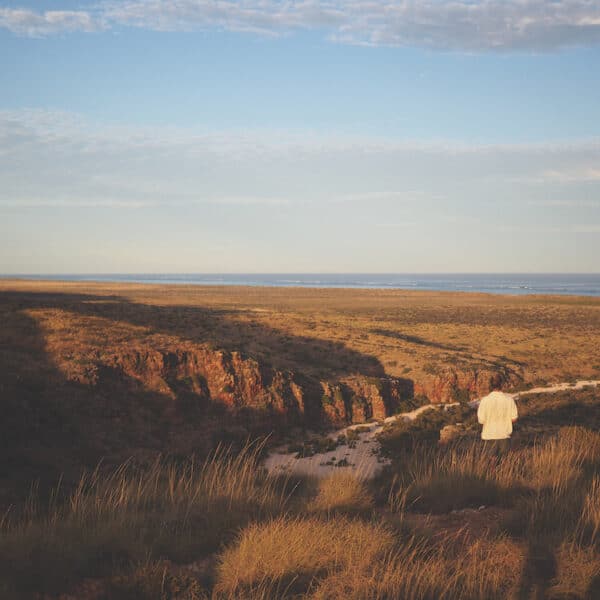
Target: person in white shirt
{"x": 497, "y": 412}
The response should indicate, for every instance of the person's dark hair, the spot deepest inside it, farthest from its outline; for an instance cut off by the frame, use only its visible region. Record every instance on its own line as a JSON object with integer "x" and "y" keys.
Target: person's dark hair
{"x": 496, "y": 381}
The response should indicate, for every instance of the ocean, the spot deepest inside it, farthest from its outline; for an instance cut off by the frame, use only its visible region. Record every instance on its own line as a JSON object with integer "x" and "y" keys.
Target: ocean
{"x": 573, "y": 284}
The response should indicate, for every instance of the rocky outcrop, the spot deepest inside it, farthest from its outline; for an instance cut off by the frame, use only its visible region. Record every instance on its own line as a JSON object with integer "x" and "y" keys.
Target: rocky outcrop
{"x": 242, "y": 386}
{"x": 358, "y": 399}
{"x": 466, "y": 384}
{"x": 201, "y": 376}
{"x": 219, "y": 394}
{"x": 211, "y": 377}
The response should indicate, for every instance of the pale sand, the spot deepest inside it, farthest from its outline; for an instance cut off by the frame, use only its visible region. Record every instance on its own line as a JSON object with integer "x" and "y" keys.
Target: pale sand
{"x": 364, "y": 459}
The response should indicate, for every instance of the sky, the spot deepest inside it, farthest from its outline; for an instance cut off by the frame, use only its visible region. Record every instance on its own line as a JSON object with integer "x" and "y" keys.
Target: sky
{"x": 270, "y": 136}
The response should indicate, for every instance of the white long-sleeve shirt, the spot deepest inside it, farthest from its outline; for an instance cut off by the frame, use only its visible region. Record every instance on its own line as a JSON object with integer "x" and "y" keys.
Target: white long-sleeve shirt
{"x": 496, "y": 413}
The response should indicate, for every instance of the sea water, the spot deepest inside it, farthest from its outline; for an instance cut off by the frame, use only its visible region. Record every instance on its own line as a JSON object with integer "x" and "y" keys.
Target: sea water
{"x": 575, "y": 284}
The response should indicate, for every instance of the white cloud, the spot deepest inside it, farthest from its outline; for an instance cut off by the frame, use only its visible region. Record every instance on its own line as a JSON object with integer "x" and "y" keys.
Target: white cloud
{"x": 464, "y": 25}
{"x": 38, "y": 24}
{"x": 61, "y": 160}
{"x": 83, "y": 196}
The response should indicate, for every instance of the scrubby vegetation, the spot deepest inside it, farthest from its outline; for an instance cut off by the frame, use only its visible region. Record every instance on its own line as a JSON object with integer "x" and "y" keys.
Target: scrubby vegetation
{"x": 442, "y": 522}
{"x": 114, "y": 521}
{"x": 425, "y": 429}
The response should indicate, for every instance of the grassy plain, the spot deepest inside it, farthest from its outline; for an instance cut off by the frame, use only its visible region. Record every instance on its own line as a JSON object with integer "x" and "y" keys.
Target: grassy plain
{"x": 321, "y": 332}
{"x": 442, "y": 522}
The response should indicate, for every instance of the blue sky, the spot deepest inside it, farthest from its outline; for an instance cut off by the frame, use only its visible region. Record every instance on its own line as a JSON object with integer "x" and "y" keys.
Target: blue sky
{"x": 268, "y": 136}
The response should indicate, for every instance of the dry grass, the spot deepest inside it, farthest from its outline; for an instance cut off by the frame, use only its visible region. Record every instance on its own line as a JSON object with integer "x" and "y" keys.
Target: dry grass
{"x": 347, "y": 541}
{"x": 325, "y": 332}
{"x": 155, "y": 581}
{"x": 311, "y": 549}
{"x": 342, "y": 492}
{"x": 293, "y": 552}
{"x": 338, "y": 558}
{"x": 113, "y": 521}
{"x": 577, "y": 572}
{"x": 484, "y": 570}
{"x": 440, "y": 479}
{"x": 590, "y": 517}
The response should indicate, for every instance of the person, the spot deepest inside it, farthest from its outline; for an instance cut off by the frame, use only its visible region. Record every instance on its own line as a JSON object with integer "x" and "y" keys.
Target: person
{"x": 497, "y": 412}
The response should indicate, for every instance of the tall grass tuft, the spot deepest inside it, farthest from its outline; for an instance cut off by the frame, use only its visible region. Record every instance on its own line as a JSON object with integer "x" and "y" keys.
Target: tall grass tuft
{"x": 342, "y": 493}
{"x": 417, "y": 571}
{"x": 438, "y": 480}
{"x": 270, "y": 539}
{"x": 294, "y": 553}
{"x": 112, "y": 521}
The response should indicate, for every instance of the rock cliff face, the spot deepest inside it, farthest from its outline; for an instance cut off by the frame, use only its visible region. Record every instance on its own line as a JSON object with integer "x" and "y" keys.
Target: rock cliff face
{"x": 178, "y": 399}
{"x": 241, "y": 386}
{"x": 205, "y": 376}
{"x": 357, "y": 399}
{"x": 452, "y": 384}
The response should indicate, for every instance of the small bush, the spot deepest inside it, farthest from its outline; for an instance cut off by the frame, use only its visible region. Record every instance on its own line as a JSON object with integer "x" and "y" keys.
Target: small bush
{"x": 461, "y": 395}
{"x": 431, "y": 369}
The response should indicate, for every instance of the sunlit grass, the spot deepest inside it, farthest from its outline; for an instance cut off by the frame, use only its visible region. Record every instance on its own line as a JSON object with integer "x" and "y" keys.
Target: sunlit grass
{"x": 342, "y": 537}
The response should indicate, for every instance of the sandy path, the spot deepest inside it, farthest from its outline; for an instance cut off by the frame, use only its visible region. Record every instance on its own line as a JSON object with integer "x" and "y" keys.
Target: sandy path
{"x": 364, "y": 458}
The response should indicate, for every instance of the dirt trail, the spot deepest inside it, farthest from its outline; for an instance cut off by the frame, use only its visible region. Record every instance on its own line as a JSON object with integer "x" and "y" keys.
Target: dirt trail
{"x": 363, "y": 458}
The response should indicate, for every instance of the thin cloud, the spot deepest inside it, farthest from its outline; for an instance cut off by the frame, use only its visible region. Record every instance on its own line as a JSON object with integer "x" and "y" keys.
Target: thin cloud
{"x": 551, "y": 229}
{"x": 245, "y": 201}
{"x": 30, "y": 23}
{"x": 399, "y": 225}
{"x": 64, "y": 160}
{"x": 461, "y": 25}
{"x": 572, "y": 175}
{"x": 576, "y": 203}
{"x": 74, "y": 203}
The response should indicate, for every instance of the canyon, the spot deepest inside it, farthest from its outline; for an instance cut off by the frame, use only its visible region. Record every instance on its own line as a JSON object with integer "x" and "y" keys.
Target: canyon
{"x": 92, "y": 372}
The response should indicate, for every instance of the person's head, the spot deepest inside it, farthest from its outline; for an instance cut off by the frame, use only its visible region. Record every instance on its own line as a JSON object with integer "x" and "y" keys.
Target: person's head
{"x": 496, "y": 382}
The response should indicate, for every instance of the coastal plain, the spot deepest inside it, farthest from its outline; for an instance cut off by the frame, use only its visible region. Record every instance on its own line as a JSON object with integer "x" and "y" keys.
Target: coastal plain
{"x": 137, "y": 419}
{"x": 320, "y": 332}
{"x": 94, "y": 371}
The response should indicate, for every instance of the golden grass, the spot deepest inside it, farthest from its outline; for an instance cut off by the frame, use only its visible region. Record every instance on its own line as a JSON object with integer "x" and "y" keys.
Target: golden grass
{"x": 484, "y": 570}
{"x": 312, "y": 330}
{"x": 440, "y": 479}
{"x": 292, "y": 552}
{"x": 577, "y": 572}
{"x": 342, "y": 492}
{"x": 268, "y": 548}
{"x": 553, "y": 495}
{"x": 590, "y": 517}
{"x": 116, "y": 520}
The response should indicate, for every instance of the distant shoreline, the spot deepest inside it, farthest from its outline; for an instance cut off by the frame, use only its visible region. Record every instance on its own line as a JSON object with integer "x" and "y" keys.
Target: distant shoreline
{"x": 493, "y": 283}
